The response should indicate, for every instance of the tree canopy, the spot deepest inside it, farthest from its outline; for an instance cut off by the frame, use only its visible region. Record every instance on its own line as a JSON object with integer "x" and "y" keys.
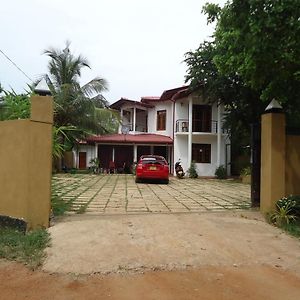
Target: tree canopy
{"x": 81, "y": 106}
{"x": 254, "y": 56}
{"x": 260, "y": 41}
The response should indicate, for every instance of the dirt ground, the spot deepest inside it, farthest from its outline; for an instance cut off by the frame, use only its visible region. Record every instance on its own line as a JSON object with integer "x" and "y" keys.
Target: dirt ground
{"x": 226, "y": 255}
{"x": 210, "y": 282}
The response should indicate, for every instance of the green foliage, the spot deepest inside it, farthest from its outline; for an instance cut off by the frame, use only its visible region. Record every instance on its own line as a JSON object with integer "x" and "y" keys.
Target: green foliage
{"x": 192, "y": 171}
{"x": 253, "y": 58}
{"x": 14, "y": 106}
{"x": 95, "y": 164}
{"x": 246, "y": 171}
{"x": 77, "y": 110}
{"x": 259, "y": 40}
{"x": 283, "y": 215}
{"x": 293, "y": 201}
{"x": 287, "y": 214}
{"x": 64, "y": 138}
{"x": 133, "y": 168}
{"x": 76, "y": 105}
{"x": 242, "y": 105}
{"x": 59, "y": 206}
{"x": 221, "y": 172}
{"x": 28, "y": 248}
{"x": 212, "y": 10}
{"x": 293, "y": 228}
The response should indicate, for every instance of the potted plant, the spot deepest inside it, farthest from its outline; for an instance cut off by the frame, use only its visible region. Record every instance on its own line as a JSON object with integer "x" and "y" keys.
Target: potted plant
{"x": 246, "y": 175}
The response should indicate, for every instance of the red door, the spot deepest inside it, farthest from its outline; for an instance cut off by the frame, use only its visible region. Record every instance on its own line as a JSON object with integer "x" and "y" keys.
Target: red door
{"x": 82, "y": 160}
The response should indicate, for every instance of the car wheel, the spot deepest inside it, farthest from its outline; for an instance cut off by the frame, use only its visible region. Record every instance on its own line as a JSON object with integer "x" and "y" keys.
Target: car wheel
{"x": 166, "y": 181}
{"x": 137, "y": 180}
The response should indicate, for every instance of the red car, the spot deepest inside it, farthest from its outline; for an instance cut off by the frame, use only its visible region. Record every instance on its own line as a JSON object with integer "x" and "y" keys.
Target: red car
{"x": 152, "y": 167}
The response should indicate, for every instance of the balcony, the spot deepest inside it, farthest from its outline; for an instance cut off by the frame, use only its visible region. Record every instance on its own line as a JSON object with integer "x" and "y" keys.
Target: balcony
{"x": 182, "y": 126}
{"x": 129, "y": 128}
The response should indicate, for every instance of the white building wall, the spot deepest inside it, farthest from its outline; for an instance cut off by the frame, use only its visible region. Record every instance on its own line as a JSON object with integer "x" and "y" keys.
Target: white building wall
{"x": 181, "y": 109}
{"x": 181, "y": 150}
{"x": 152, "y": 121}
{"x": 90, "y": 154}
{"x": 207, "y": 169}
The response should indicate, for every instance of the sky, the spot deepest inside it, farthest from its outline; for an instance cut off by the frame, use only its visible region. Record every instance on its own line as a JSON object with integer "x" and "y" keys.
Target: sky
{"x": 138, "y": 46}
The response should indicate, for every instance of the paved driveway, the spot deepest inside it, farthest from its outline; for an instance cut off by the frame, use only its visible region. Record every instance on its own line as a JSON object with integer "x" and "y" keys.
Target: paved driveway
{"x": 119, "y": 194}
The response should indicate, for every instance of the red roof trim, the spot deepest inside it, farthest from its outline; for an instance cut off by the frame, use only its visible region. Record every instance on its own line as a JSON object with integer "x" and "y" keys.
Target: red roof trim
{"x": 149, "y": 99}
{"x": 131, "y": 139}
{"x": 168, "y": 94}
{"x": 122, "y": 101}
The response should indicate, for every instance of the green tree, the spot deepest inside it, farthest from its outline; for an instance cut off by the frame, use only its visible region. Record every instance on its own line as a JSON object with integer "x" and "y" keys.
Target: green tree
{"x": 252, "y": 58}
{"x": 260, "y": 41}
{"x": 242, "y": 104}
{"x": 14, "y": 106}
{"x": 82, "y": 106}
{"x": 79, "y": 110}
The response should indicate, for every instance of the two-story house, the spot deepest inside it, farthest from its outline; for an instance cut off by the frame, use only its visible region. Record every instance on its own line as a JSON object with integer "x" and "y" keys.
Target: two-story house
{"x": 177, "y": 125}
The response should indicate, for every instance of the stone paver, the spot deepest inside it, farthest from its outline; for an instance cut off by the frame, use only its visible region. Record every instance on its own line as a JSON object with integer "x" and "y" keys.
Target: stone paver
{"x": 119, "y": 194}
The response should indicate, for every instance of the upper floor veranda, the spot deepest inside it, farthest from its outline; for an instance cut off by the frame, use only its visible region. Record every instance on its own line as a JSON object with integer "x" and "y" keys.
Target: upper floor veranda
{"x": 169, "y": 115}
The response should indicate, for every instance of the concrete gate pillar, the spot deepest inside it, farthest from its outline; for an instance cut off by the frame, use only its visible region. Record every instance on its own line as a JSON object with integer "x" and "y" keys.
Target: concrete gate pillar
{"x": 272, "y": 156}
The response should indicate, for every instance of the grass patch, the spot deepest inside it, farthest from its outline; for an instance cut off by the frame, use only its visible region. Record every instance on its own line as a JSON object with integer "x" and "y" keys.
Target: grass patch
{"x": 293, "y": 228}
{"x": 26, "y": 248}
{"x": 59, "y": 206}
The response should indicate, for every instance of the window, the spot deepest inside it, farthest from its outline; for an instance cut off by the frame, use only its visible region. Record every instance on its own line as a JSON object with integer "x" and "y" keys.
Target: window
{"x": 201, "y": 153}
{"x": 201, "y": 118}
{"x": 161, "y": 119}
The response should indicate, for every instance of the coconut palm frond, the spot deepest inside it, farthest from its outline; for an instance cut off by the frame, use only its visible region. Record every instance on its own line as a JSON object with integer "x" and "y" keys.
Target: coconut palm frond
{"x": 96, "y": 86}
{"x": 100, "y": 101}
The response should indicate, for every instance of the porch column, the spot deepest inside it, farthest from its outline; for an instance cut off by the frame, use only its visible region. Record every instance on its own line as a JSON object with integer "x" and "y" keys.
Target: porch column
{"x": 77, "y": 159}
{"x": 113, "y": 154}
{"x": 190, "y": 137}
{"x": 135, "y": 153}
{"x": 134, "y": 119}
{"x": 96, "y": 151}
{"x": 121, "y": 122}
{"x": 219, "y": 128}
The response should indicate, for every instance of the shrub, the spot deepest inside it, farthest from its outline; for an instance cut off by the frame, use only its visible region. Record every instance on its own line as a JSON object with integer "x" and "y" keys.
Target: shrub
{"x": 133, "y": 168}
{"x": 283, "y": 215}
{"x": 95, "y": 164}
{"x": 287, "y": 211}
{"x": 246, "y": 171}
{"x": 192, "y": 170}
{"x": 292, "y": 201}
{"x": 221, "y": 172}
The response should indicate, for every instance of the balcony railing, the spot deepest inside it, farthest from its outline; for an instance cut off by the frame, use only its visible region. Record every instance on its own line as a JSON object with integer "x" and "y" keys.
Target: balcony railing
{"x": 129, "y": 127}
{"x": 182, "y": 125}
{"x": 126, "y": 128}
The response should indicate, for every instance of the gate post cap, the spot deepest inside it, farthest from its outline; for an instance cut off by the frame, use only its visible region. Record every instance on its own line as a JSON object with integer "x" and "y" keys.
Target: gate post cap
{"x": 274, "y": 105}
{"x": 42, "y": 88}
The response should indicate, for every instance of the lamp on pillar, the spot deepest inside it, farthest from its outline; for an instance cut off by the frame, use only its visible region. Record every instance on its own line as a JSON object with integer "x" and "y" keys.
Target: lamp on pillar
{"x": 42, "y": 89}
{"x": 274, "y": 106}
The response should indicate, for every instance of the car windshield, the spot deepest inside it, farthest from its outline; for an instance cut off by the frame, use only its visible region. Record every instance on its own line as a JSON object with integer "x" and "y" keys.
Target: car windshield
{"x": 153, "y": 160}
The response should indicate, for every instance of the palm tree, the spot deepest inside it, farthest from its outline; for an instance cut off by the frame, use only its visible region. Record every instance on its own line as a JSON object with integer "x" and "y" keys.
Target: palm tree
{"x": 78, "y": 110}
{"x": 77, "y": 105}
